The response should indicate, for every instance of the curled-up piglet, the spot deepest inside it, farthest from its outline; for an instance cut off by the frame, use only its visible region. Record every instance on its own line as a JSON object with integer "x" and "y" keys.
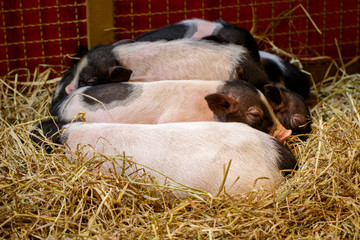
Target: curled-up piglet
{"x": 173, "y": 101}
{"x": 193, "y": 154}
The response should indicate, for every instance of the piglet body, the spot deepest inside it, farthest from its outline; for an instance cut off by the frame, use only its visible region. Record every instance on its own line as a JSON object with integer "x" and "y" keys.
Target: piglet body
{"x": 195, "y": 154}
{"x": 182, "y": 59}
{"x": 173, "y": 101}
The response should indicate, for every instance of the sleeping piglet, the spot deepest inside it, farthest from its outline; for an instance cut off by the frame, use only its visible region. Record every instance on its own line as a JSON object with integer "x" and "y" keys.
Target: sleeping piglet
{"x": 194, "y": 154}
{"x": 181, "y": 59}
{"x": 289, "y": 107}
{"x": 289, "y": 101}
{"x": 173, "y": 101}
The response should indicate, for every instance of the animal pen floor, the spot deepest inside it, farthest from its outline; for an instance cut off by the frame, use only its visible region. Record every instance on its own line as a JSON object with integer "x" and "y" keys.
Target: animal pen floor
{"x": 46, "y": 196}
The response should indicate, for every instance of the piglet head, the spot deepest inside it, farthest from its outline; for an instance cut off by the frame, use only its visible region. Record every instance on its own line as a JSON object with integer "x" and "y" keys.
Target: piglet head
{"x": 228, "y": 109}
{"x": 252, "y": 112}
{"x": 98, "y": 66}
{"x": 289, "y": 107}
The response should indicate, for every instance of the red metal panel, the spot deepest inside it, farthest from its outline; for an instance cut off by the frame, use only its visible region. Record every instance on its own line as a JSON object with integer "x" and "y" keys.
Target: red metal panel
{"x": 37, "y": 32}
{"x": 34, "y": 32}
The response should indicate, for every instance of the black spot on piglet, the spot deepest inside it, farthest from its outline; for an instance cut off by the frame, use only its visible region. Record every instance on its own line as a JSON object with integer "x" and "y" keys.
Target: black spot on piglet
{"x": 108, "y": 93}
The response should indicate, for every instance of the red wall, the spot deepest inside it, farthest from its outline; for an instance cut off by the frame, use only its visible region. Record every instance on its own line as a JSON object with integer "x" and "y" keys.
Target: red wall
{"x": 33, "y": 34}
{"x": 42, "y": 32}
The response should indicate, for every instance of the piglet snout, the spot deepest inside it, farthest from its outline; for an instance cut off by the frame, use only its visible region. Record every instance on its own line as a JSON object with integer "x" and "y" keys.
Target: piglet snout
{"x": 282, "y": 133}
{"x": 70, "y": 88}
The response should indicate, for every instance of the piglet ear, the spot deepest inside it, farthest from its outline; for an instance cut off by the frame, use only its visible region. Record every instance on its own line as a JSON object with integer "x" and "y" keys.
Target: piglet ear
{"x": 274, "y": 95}
{"x": 119, "y": 74}
{"x": 221, "y": 104}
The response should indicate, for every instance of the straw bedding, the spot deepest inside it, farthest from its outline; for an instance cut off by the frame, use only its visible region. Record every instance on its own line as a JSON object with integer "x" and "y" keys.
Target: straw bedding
{"x": 46, "y": 196}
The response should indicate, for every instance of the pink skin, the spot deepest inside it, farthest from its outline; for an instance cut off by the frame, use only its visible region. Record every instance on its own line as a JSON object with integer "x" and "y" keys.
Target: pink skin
{"x": 161, "y": 147}
{"x": 282, "y": 133}
{"x": 70, "y": 88}
{"x": 169, "y": 101}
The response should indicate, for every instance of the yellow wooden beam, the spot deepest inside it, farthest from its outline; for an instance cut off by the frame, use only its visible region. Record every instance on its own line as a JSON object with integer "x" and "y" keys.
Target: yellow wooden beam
{"x": 100, "y": 22}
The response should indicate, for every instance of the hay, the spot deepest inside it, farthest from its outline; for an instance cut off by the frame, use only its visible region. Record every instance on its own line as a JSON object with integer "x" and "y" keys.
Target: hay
{"x": 46, "y": 196}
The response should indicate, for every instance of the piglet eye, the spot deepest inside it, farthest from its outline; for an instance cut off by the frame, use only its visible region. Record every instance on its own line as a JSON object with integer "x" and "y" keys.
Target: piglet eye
{"x": 298, "y": 121}
{"x": 254, "y": 114}
{"x": 91, "y": 81}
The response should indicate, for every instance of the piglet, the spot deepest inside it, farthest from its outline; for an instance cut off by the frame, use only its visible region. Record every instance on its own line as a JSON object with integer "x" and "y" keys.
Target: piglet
{"x": 289, "y": 107}
{"x": 192, "y": 154}
{"x": 173, "y": 101}
{"x": 181, "y": 59}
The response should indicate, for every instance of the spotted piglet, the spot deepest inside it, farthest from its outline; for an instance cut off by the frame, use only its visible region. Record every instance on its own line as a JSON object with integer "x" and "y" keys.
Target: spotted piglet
{"x": 173, "y": 101}
{"x": 182, "y": 59}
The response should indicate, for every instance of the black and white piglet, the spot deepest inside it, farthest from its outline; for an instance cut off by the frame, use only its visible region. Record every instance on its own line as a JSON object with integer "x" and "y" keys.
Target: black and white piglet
{"x": 181, "y": 59}
{"x": 173, "y": 101}
{"x": 194, "y": 154}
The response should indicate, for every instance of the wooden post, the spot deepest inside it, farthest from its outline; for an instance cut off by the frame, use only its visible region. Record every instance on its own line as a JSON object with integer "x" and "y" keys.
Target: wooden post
{"x": 100, "y": 22}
